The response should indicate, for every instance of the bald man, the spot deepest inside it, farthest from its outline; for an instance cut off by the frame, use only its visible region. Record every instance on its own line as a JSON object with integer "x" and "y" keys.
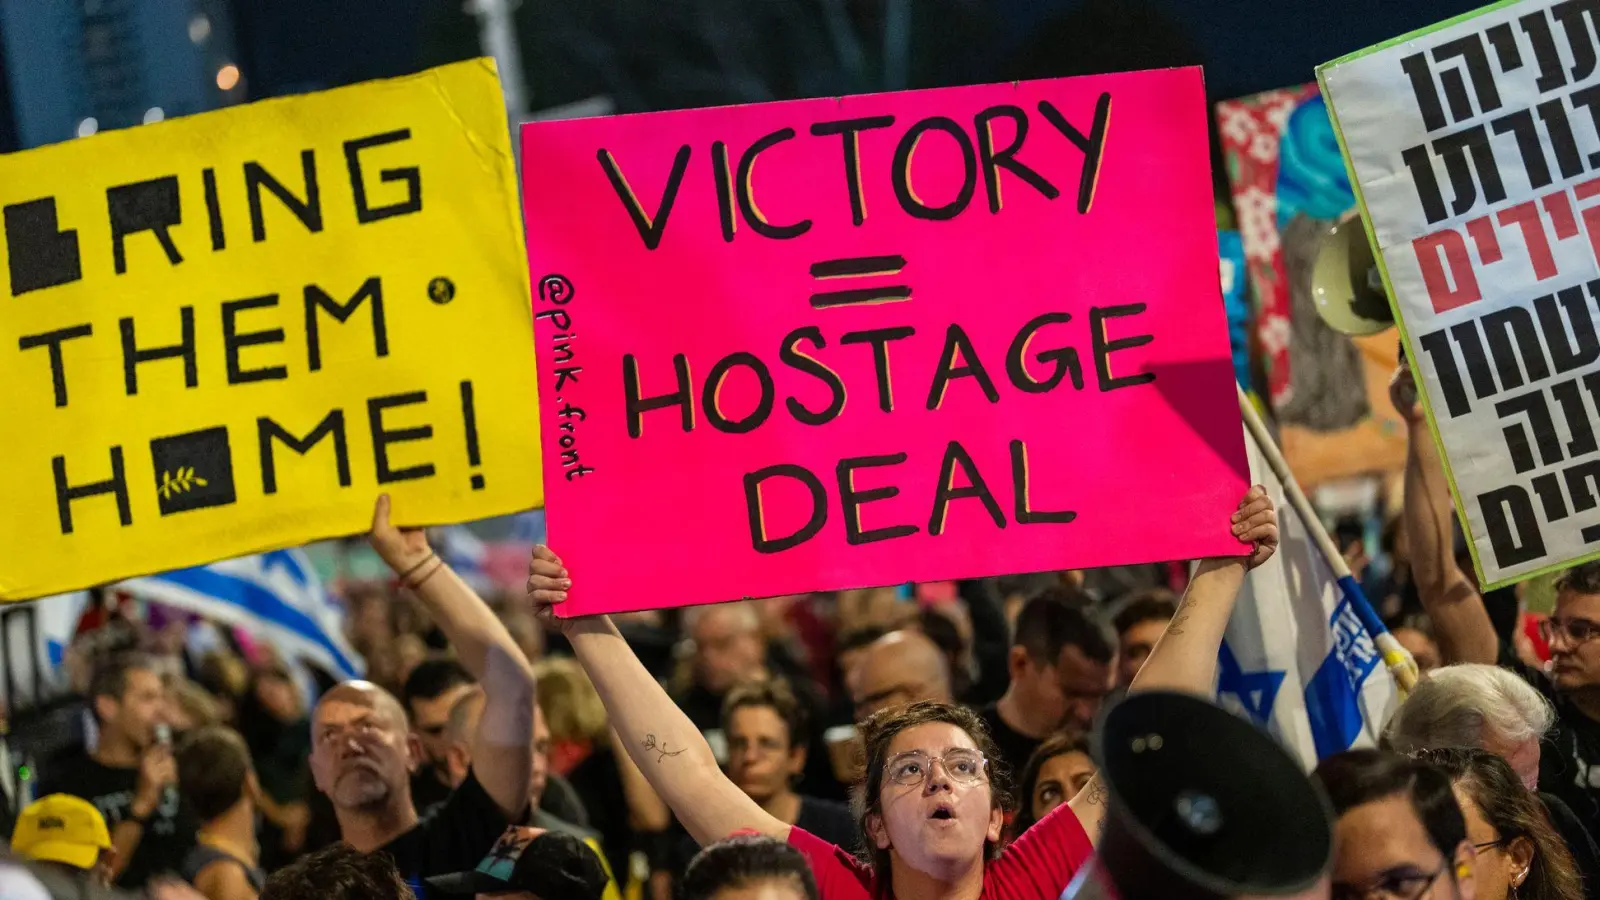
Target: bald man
{"x": 896, "y": 669}
{"x": 363, "y": 754}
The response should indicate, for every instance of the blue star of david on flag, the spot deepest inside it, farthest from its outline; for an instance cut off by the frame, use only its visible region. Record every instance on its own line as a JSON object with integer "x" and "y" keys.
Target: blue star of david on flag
{"x": 1255, "y": 691}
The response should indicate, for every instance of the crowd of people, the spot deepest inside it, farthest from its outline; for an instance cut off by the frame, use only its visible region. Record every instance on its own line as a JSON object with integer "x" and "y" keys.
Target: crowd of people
{"x": 851, "y": 745}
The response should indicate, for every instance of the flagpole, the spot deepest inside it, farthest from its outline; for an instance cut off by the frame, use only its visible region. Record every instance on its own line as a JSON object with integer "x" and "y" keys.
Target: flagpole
{"x": 1395, "y": 657}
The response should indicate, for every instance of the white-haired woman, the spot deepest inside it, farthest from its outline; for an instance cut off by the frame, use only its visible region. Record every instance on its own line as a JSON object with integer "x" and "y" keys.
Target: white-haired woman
{"x": 1479, "y": 707}
{"x": 1483, "y": 707}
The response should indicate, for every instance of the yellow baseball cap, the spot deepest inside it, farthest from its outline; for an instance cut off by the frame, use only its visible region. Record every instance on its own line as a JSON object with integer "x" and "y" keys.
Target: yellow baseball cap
{"x": 61, "y": 828}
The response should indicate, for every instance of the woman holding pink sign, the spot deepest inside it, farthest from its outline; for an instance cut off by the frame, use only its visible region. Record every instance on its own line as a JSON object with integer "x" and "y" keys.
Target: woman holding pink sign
{"x": 935, "y": 806}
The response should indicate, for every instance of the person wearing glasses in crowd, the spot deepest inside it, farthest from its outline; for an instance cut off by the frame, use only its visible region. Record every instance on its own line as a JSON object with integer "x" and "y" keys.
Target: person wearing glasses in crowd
{"x": 933, "y": 806}
{"x": 1399, "y": 833}
{"x": 1519, "y": 854}
{"x": 1569, "y": 766}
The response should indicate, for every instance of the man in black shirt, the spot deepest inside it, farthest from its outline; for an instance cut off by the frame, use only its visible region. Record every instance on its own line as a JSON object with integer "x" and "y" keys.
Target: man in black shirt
{"x": 362, "y": 755}
{"x": 130, "y": 776}
{"x": 1061, "y": 669}
{"x": 430, "y": 692}
{"x": 1569, "y": 759}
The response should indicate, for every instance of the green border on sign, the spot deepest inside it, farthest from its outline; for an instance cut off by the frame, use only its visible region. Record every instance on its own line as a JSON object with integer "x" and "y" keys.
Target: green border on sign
{"x": 1388, "y": 285}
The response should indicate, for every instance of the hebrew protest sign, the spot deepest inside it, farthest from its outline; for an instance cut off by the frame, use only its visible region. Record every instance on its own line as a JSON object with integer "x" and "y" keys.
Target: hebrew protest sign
{"x": 861, "y": 341}
{"x": 228, "y": 333}
{"x": 1475, "y": 149}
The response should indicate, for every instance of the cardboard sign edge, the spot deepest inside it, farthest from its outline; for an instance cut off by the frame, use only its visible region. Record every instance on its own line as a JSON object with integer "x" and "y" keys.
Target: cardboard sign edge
{"x": 1394, "y": 304}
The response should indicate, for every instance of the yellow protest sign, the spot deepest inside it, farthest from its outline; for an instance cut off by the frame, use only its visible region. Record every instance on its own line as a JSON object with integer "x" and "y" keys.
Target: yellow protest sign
{"x": 228, "y": 333}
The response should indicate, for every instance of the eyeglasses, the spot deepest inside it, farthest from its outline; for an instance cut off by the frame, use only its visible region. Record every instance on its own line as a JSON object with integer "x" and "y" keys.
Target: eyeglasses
{"x": 1400, "y": 885}
{"x": 913, "y": 767}
{"x": 1490, "y": 845}
{"x": 1575, "y": 630}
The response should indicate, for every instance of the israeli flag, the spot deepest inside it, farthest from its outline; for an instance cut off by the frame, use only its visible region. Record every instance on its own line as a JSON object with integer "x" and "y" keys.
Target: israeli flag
{"x": 275, "y": 596}
{"x": 1298, "y": 657}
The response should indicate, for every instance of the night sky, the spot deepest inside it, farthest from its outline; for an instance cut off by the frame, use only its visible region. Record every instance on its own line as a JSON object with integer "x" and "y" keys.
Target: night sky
{"x": 636, "y": 50}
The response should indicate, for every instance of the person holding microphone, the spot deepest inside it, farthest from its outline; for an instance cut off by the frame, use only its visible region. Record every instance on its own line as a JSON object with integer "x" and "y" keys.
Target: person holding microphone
{"x": 130, "y": 775}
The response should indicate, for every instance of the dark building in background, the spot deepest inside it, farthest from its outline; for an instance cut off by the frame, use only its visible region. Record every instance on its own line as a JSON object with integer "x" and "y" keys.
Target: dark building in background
{"x": 75, "y": 67}
{"x": 297, "y": 46}
{"x": 113, "y": 61}
{"x": 8, "y": 119}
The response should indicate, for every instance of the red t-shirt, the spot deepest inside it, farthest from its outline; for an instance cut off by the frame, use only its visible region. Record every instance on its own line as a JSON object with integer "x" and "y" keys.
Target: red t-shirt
{"x": 1036, "y": 866}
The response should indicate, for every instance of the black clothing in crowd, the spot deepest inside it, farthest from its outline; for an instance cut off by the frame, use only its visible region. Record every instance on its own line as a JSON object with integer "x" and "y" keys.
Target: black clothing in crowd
{"x": 454, "y": 836}
{"x": 168, "y": 835}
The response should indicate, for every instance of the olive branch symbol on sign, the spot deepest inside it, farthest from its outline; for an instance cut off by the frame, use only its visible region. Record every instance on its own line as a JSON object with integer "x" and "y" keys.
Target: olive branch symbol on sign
{"x": 176, "y": 484}
{"x": 175, "y": 462}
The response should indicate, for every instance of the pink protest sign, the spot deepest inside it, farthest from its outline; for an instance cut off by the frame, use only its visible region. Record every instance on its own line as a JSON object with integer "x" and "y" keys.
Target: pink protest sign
{"x": 906, "y": 337}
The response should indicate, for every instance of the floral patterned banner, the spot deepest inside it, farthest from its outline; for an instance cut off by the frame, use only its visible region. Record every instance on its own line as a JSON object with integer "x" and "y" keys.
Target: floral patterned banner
{"x": 1284, "y": 165}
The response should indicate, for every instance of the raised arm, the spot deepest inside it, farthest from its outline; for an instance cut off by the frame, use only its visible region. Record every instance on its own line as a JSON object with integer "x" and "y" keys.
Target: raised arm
{"x": 503, "y": 747}
{"x": 659, "y": 738}
{"x": 1185, "y": 657}
{"x": 647, "y": 814}
{"x": 1460, "y": 621}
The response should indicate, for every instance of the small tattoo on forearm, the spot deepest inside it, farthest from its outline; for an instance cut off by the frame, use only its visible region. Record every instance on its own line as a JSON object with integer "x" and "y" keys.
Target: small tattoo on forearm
{"x": 1097, "y": 792}
{"x": 660, "y": 749}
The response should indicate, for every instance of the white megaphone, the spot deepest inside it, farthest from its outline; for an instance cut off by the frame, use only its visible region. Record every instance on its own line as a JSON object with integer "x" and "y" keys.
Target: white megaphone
{"x": 1204, "y": 806}
{"x": 1345, "y": 283}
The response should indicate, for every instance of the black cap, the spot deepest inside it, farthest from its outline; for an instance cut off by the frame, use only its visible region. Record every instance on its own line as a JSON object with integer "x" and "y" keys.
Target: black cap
{"x": 552, "y": 864}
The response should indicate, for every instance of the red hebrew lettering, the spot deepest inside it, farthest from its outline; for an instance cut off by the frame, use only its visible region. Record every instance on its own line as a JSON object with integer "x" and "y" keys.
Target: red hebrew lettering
{"x": 1559, "y": 206}
{"x": 1488, "y": 243}
{"x": 1591, "y": 214}
{"x": 1526, "y": 215}
{"x": 1459, "y": 265}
